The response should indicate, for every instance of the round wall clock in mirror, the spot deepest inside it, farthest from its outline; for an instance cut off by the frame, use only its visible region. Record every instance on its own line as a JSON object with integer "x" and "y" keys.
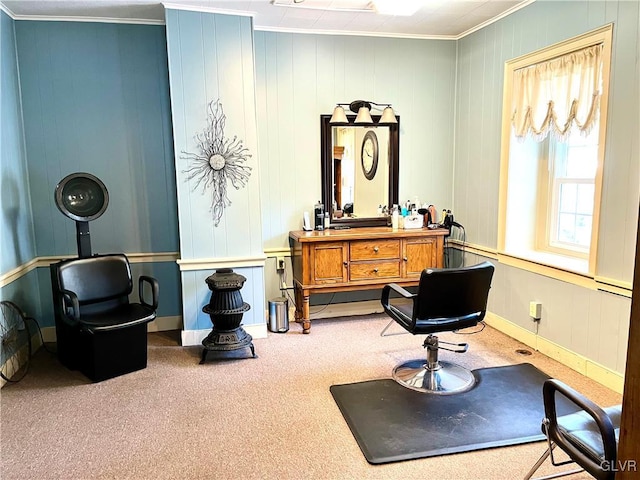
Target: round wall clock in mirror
{"x": 369, "y": 154}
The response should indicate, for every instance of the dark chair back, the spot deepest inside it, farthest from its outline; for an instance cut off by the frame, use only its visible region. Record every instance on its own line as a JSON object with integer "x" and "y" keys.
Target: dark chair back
{"x": 447, "y": 300}
{"x": 101, "y": 283}
{"x": 589, "y": 437}
{"x": 96, "y": 278}
{"x": 453, "y": 294}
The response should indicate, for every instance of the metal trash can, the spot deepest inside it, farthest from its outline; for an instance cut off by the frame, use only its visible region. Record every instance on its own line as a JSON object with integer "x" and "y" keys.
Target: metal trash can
{"x": 279, "y": 315}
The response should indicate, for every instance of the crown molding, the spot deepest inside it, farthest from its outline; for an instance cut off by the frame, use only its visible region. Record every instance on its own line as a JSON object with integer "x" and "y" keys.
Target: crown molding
{"x": 51, "y": 18}
{"x": 506, "y": 13}
{"x": 200, "y": 8}
{"x": 5, "y": 9}
{"x": 132, "y": 21}
{"x": 354, "y": 33}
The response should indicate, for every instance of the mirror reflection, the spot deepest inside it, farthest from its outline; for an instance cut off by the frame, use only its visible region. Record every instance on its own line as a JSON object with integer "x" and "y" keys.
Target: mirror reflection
{"x": 360, "y": 172}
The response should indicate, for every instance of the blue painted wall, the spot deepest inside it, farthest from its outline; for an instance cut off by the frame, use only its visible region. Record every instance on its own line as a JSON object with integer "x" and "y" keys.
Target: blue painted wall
{"x": 18, "y": 244}
{"x": 95, "y": 98}
{"x": 16, "y": 224}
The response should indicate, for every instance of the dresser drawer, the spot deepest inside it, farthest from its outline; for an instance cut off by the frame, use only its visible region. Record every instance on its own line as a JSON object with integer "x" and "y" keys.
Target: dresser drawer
{"x": 371, "y": 270}
{"x": 374, "y": 249}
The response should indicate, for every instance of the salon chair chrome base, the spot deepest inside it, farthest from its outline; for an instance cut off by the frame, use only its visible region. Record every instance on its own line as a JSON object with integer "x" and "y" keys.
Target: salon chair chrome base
{"x": 433, "y": 376}
{"x": 447, "y": 378}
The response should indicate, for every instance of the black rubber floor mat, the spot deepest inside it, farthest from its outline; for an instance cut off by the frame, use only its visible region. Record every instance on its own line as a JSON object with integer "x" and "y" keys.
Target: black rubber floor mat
{"x": 392, "y": 423}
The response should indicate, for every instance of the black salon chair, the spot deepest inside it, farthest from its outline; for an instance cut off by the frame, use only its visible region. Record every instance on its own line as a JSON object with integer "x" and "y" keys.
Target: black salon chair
{"x": 447, "y": 299}
{"x": 589, "y": 437}
{"x": 99, "y": 332}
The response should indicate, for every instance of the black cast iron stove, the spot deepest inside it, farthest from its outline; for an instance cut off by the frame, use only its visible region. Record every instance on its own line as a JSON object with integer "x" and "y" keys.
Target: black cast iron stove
{"x": 225, "y": 309}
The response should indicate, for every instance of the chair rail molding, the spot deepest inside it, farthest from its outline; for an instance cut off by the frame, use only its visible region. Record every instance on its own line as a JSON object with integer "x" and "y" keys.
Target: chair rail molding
{"x": 214, "y": 263}
{"x": 38, "y": 262}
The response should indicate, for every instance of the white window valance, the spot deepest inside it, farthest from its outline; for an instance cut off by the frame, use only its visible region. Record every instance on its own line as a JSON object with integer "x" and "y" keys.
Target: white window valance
{"x": 558, "y": 94}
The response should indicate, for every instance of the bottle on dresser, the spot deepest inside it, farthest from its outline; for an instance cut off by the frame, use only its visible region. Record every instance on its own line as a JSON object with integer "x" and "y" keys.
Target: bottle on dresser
{"x": 395, "y": 217}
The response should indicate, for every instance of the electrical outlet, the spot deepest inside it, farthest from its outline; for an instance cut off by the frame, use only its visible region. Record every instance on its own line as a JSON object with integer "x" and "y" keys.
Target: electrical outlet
{"x": 279, "y": 264}
{"x": 535, "y": 310}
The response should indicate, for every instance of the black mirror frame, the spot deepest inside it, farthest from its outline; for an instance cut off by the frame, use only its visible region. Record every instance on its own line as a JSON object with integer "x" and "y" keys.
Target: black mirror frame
{"x": 326, "y": 160}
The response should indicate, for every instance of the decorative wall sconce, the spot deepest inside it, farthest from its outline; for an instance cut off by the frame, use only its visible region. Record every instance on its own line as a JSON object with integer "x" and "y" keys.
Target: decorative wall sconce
{"x": 363, "y": 110}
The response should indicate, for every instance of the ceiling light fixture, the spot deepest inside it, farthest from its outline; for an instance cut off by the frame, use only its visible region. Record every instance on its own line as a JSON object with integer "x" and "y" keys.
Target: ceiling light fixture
{"x": 363, "y": 110}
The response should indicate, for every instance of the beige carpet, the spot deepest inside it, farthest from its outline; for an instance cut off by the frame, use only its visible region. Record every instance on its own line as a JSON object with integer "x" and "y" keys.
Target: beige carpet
{"x": 266, "y": 418}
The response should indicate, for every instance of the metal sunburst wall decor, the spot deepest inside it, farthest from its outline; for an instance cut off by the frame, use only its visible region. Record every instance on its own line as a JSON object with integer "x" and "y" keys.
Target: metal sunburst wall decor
{"x": 221, "y": 160}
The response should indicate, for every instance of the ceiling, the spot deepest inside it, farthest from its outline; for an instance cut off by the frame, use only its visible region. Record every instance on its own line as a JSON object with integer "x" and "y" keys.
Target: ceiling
{"x": 434, "y": 19}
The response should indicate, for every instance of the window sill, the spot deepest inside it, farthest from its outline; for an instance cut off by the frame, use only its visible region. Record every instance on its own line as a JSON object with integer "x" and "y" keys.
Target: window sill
{"x": 560, "y": 267}
{"x": 592, "y": 282}
{"x": 554, "y": 260}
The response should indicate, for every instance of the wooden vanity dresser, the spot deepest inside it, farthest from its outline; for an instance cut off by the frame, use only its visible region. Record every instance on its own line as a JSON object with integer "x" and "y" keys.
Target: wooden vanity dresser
{"x": 359, "y": 259}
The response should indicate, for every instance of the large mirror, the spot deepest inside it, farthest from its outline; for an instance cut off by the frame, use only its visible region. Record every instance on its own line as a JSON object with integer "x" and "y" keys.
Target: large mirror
{"x": 359, "y": 171}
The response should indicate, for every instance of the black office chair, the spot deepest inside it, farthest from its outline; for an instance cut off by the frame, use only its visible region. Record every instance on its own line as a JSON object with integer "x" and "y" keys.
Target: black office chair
{"x": 98, "y": 331}
{"x": 447, "y": 299}
{"x": 589, "y": 437}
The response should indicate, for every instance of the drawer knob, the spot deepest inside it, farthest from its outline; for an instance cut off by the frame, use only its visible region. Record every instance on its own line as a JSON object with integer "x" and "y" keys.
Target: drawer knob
{"x": 376, "y": 249}
{"x": 345, "y": 263}
{"x": 405, "y": 259}
{"x": 375, "y": 270}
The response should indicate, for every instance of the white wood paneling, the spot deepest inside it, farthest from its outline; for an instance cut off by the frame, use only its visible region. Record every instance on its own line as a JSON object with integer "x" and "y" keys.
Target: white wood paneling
{"x": 211, "y": 58}
{"x": 481, "y": 58}
{"x": 622, "y": 158}
{"x": 196, "y": 294}
{"x": 590, "y": 322}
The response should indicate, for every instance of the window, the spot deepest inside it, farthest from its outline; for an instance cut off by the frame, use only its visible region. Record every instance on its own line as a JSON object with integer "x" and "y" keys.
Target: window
{"x": 568, "y": 194}
{"x": 554, "y": 125}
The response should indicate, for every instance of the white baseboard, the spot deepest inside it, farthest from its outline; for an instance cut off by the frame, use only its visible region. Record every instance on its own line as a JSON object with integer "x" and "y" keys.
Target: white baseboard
{"x": 365, "y": 307}
{"x": 192, "y": 338}
{"x": 49, "y": 334}
{"x": 162, "y": 324}
{"x": 579, "y": 363}
{"x": 317, "y": 312}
